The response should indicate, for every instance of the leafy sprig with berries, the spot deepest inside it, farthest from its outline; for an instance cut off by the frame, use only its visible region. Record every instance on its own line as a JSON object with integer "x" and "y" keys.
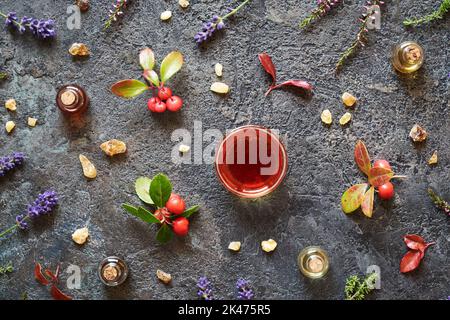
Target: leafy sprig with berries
{"x": 379, "y": 176}
{"x": 169, "y": 209}
{"x": 162, "y": 99}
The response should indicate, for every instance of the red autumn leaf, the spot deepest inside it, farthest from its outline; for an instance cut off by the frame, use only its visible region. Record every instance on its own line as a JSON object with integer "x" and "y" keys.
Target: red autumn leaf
{"x": 362, "y": 157}
{"x": 58, "y": 294}
{"x": 414, "y": 242}
{"x": 410, "y": 261}
{"x": 39, "y": 276}
{"x": 293, "y": 83}
{"x": 379, "y": 176}
{"x": 268, "y": 65}
{"x": 51, "y": 275}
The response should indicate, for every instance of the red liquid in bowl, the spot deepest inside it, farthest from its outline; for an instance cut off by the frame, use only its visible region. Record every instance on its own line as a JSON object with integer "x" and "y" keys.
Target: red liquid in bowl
{"x": 251, "y": 161}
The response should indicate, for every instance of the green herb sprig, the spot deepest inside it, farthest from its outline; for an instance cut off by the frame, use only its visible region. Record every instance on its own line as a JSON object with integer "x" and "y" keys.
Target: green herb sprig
{"x": 360, "y": 39}
{"x": 357, "y": 288}
{"x": 7, "y": 268}
{"x": 439, "y": 202}
{"x": 435, "y": 15}
{"x": 3, "y": 75}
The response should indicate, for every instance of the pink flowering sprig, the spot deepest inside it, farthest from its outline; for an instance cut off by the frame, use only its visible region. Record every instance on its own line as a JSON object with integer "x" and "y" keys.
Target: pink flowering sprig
{"x": 116, "y": 12}
{"x": 439, "y": 202}
{"x": 361, "y": 36}
{"x": 323, "y": 7}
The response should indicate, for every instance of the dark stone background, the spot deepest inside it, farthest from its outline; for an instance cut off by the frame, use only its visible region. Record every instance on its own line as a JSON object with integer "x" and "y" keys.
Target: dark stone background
{"x": 304, "y": 211}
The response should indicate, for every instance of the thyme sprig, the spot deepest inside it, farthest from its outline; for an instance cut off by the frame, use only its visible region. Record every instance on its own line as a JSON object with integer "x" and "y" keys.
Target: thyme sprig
{"x": 7, "y": 268}
{"x": 439, "y": 202}
{"x": 435, "y": 15}
{"x": 357, "y": 288}
{"x": 3, "y": 75}
{"x": 360, "y": 39}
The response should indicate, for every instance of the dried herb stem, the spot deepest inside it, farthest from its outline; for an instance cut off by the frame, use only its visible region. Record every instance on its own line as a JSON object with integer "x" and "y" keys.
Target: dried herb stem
{"x": 235, "y": 10}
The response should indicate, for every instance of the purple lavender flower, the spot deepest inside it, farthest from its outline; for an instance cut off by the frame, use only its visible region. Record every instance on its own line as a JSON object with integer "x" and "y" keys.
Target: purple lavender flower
{"x": 244, "y": 290}
{"x": 43, "y": 204}
{"x": 204, "y": 289}
{"x": 10, "y": 162}
{"x": 216, "y": 23}
{"x": 42, "y": 29}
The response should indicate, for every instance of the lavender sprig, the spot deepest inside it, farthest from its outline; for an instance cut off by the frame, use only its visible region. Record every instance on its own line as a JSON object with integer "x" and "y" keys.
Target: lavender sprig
{"x": 439, "y": 202}
{"x": 323, "y": 7}
{"x": 361, "y": 36}
{"x": 204, "y": 289}
{"x": 43, "y": 205}
{"x": 116, "y": 12}
{"x": 41, "y": 28}
{"x": 244, "y": 290}
{"x": 8, "y": 163}
{"x": 216, "y": 23}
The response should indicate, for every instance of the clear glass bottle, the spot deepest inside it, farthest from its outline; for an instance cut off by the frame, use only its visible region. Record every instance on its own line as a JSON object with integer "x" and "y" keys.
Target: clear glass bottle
{"x": 313, "y": 262}
{"x": 112, "y": 271}
{"x": 407, "y": 57}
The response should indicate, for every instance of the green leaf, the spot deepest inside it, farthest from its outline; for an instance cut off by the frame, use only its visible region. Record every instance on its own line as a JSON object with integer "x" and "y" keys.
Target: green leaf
{"x": 362, "y": 157}
{"x": 151, "y": 76}
{"x": 147, "y": 216}
{"x": 130, "y": 209}
{"x": 171, "y": 64}
{"x": 379, "y": 176}
{"x": 160, "y": 190}
{"x": 140, "y": 213}
{"x": 128, "y": 88}
{"x": 142, "y": 186}
{"x": 353, "y": 197}
{"x": 164, "y": 234}
{"x": 189, "y": 212}
{"x": 147, "y": 59}
{"x": 367, "y": 203}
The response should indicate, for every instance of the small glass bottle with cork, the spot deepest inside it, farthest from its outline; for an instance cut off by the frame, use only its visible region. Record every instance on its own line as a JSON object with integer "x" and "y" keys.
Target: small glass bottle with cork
{"x": 407, "y": 57}
{"x": 313, "y": 262}
{"x": 112, "y": 271}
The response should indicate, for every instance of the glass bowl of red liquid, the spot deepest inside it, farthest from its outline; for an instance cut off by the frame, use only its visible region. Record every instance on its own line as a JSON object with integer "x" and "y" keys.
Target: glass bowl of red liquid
{"x": 251, "y": 161}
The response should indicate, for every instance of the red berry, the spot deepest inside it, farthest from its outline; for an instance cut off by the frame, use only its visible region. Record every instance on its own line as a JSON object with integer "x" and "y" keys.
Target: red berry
{"x": 160, "y": 107}
{"x": 386, "y": 191}
{"x": 162, "y": 215}
{"x": 152, "y": 102}
{"x": 164, "y": 93}
{"x": 382, "y": 164}
{"x": 174, "y": 103}
{"x": 181, "y": 226}
{"x": 175, "y": 204}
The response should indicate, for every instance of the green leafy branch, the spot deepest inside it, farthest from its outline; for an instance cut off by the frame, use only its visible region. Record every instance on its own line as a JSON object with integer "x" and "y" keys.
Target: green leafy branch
{"x": 130, "y": 88}
{"x": 156, "y": 192}
{"x": 357, "y": 288}
{"x": 435, "y": 15}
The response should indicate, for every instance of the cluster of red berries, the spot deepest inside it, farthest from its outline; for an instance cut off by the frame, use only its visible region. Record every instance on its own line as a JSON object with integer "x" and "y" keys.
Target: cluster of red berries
{"x": 385, "y": 191}
{"x": 164, "y": 101}
{"x": 174, "y": 206}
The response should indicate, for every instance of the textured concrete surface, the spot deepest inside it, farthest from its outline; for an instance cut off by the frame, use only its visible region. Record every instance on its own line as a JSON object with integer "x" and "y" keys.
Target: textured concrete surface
{"x": 304, "y": 211}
